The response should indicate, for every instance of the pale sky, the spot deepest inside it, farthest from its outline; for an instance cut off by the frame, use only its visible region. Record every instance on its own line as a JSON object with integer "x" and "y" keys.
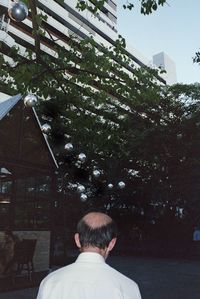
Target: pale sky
{"x": 173, "y": 29}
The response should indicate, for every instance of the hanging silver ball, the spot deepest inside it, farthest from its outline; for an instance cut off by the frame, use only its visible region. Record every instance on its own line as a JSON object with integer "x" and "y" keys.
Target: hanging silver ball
{"x": 110, "y": 186}
{"x": 82, "y": 157}
{"x": 121, "y": 185}
{"x": 78, "y": 164}
{"x": 46, "y": 128}
{"x": 18, "y": 11}
{"x": 30, "y": 100}
{"x": 179, "y": 136}
{"x": 80, "y": 188}
{"x": 83, "y": 197}
{"x": 69, "y": 147}
{"x": 96, "y": 173}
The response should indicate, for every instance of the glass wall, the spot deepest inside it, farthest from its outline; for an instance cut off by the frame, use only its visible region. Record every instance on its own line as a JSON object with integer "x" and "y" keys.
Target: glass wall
{"x": 25, "y": 203}
{"x": 5, "y": 198}
{"x": 32, "y": 203}
{"x": 26, "y": 172}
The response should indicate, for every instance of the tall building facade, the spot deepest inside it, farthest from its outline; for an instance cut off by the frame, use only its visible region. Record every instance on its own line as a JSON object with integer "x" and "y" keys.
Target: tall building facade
{"x": 166, "y": 63}
{"x": 63, "y": 21}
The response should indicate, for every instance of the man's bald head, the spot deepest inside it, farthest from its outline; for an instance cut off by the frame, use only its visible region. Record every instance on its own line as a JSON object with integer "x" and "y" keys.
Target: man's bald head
{"x": 96, "y": 219}
{"x": 96, "y": 229}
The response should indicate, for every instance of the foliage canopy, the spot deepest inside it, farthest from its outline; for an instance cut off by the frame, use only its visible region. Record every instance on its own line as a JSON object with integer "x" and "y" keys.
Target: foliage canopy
{"x": 129, "y": 125}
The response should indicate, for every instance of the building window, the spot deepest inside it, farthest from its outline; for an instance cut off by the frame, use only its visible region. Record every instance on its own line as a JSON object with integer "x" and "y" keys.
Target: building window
{"x": 4, "y": 215}
{"x": 112, "y": 4}
{"x": 32, "y": 215}
{"x": 31, "y": 188}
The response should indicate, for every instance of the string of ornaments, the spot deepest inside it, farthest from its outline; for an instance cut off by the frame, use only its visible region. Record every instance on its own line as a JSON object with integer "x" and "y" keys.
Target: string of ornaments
{"x": 30, "y": 101}
{"x": 96, "y": 174}
{"x": 18, "y": 12}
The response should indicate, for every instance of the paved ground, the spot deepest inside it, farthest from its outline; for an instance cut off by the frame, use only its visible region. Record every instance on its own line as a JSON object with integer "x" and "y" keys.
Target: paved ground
{"x": 157, "y": 278}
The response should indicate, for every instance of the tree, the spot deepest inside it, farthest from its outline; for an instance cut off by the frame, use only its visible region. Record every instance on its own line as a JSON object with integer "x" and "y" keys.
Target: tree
{"x": 147, "y": 6}
{"x": 130, "y": 127}
{"x": 98, "y": 93}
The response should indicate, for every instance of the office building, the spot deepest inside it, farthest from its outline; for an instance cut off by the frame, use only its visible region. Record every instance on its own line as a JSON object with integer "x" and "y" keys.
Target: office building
{"x": 166, "y": 63}
{"x": 63, "y": 21}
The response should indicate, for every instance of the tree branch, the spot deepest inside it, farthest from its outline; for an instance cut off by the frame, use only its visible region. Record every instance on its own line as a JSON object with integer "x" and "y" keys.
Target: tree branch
{"x": 33, "y": 7}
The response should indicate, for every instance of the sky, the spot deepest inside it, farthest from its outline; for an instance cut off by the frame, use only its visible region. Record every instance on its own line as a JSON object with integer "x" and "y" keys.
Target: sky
{"x": 173, "y": 29}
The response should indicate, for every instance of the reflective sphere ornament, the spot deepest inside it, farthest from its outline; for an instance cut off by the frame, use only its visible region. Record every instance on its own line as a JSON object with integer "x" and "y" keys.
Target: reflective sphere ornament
{"x": 69, "y": 147}
{"x": 78, "y": 164}
{"x": 30, "y": 100}
{"x": 110, "y": 186}
{"x": 96, "y": 173}
{"x": 18, "y": 11}
{"x": 83, "y": 197}
{"x": 121, "y": 185}
{"x": 46, "y": 128}
{"x": 82, "y": 157}
{"x": 80, "y": 188}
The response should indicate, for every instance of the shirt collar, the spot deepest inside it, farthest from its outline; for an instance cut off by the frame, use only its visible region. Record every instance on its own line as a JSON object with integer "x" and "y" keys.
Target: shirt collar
{"x": 91, "y": 257}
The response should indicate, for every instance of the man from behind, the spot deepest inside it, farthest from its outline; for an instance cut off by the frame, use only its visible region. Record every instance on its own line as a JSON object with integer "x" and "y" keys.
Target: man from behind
{"x": 90, "y": 277}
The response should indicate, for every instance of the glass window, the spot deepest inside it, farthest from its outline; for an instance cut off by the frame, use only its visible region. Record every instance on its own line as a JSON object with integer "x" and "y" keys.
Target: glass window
{"x": 43, "y": 187}
{"x": 25, "y": 189}
{"x": 33, "y": 188}
{"x": 32, "y": 215}
{"x": 4, "y": 215}
{"x": 5, "y": 187}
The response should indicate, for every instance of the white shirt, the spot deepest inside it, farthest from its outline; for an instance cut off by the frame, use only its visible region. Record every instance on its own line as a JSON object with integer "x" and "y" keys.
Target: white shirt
{"x": 88, "y": 278}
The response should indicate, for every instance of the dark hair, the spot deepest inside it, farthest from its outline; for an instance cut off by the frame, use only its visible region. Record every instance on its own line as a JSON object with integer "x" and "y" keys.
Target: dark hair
{"x": 96, "y": 237}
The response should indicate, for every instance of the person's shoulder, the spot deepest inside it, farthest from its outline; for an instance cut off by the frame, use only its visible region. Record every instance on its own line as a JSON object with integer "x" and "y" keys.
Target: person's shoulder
{"x": 122, "y": 278}
{"x": 123, "y": 283}
{"x": 57, "y": 275}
